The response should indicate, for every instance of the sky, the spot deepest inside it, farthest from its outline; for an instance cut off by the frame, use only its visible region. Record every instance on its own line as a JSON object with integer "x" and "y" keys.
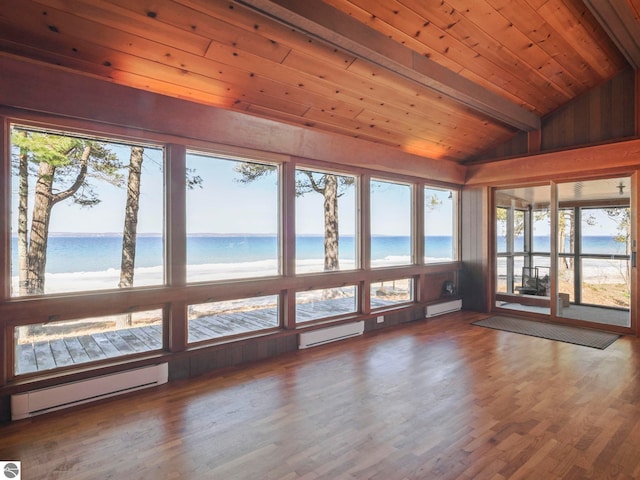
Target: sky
{"x": 220, "y": 205}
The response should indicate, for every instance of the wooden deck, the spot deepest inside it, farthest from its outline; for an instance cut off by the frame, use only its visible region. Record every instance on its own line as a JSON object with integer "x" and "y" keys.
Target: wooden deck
{"x": 62, "y": 352}
{"x": 72, "y": 350}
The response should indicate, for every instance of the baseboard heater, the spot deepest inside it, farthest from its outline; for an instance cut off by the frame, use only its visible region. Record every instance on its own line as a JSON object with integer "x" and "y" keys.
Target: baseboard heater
{"x": 330, "y": 334}
{"x": 36, "y": 402}
{"x": 442, "y": 308}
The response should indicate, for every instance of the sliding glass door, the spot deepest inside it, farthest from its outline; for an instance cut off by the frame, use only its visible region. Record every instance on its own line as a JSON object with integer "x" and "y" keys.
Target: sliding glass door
{"x": 523, "y": 249}
{"x": 566, "y": 250}
{"x": 594, "y": 251}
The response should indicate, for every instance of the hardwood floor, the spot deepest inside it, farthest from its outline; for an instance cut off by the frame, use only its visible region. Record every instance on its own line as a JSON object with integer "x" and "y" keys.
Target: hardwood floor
{"x": 431, "y": 399}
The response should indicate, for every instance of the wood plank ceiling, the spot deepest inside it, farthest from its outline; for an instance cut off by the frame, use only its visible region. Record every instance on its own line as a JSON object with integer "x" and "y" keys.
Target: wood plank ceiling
{"x": 445, "y": 80}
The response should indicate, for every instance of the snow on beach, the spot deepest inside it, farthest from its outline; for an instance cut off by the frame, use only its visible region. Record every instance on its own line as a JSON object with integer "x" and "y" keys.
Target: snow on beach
{"x": 212, "y": 272}
{"x": 600, "y": 271}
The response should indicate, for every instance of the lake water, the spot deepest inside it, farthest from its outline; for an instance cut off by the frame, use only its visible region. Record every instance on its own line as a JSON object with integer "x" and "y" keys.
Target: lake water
{"x": 95, "y": 253}
{"x": 92, "y": 262}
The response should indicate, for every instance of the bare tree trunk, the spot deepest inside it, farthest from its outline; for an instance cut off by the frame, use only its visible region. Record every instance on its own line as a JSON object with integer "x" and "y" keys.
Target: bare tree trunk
{"x": 331, "y": 236}
{"x": 564, "y": 222}
{"x": 127, "y": 263}
{"x": 572, "y": 238}
{"x": 43, "y": 202}
{"x": 23, "y": 209}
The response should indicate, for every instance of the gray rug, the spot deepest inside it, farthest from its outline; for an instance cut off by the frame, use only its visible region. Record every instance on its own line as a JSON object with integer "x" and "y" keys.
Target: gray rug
{"x": 561, "y": 333}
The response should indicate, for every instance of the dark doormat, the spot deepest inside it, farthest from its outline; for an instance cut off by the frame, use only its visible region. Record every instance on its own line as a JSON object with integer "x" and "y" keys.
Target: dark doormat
{"x": 561, "y": 333}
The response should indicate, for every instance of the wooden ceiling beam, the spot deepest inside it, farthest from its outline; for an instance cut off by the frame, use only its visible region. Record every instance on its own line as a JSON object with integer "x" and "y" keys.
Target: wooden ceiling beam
{"x": 618, "y": 20}
{"x": 579, "y": 162}
{"x": 328, "y": 24}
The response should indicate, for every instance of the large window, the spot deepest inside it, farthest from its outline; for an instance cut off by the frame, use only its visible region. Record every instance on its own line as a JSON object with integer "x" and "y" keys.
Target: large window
{"x": 391, "y": 240}
{"x": 213, "y": 320}
{"x": 325, "y": 221}
{"x": 388, "y": 293}
{"x": 88, "y": 226}
{"x": 440, "y": 225}
{"x": 87, "y": 213}
{"x": 325, "y": 303}
{"x": 232, "y": 219}
{"x": 65, "y": 343}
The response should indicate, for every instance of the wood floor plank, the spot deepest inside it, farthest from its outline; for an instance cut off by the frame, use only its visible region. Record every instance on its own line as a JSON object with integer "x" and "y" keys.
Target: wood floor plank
{"x": 105, "y": 344}
{"x": 76, "y": 349}
{"x": 437, "y": 398}
{"x": 26, "y": 358}
{"x": 91, "y": 347}
{"x": 44, "y": 356}
{"x": 119, "y": 342}
{"x": 60, "y": 352}
{"x": 150, "y": 340}
{"x": 134, "y": 344}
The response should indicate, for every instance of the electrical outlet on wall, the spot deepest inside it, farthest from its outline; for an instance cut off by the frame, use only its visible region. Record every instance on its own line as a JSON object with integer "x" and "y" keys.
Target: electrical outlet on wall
{"x": 380, "y": 319}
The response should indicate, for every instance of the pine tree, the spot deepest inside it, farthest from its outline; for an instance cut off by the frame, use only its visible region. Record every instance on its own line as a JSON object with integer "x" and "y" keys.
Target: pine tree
{"x": 63, "y": 166}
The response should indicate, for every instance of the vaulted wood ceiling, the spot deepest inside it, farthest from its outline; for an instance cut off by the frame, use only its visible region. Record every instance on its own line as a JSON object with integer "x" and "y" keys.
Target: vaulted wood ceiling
{"x": 444, "y": 80}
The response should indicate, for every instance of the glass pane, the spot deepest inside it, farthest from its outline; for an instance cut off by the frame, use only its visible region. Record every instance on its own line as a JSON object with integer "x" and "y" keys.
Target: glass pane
{"x": 501, "y": 275}
{"x": 501, "y": 230}
{"x": 523, "y": 227}
{"x": 51, "y": 345}
{"x": 519, "y": 229}
{"x": 518, "y": 264}
{"x": 440, "y": 225}
{"x": 232, "y": 219}
{"x": 606, "y": 282}
{"x": 87, "y": 213}
{"x": 391, "y": 225}
{"x": 220, "y": 319}
{"x": 391, "y": 292}
{"x": 566, "y": 277}
{"x": 594, "y": 286}
{"x": 606, "y": 230}
{"x": 566, "y": 230}
{"x": 540, "y": 261}
{"x": 325, "y": 222}
{"x": 330, "y": 302}
{"x": 541, "y": 225}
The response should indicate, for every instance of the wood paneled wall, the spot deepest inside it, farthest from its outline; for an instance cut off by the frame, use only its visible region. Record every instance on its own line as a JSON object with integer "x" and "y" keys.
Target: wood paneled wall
{"x": 475, "y": 249}
{"x": 605, "y": 113}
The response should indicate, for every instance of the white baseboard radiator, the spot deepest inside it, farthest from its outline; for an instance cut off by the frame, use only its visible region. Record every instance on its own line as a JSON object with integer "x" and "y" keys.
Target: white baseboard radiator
{"x": 36, "y": 402}
{"x": 442, "y": 308}
{"x": 330, "y": 334}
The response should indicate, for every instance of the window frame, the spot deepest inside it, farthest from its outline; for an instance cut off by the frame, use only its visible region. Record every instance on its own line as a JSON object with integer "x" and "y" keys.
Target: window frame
{"x": 455, "y": 222}
{"x": 104, "y": 136}
{"x": 228, "y": 156}
{"x": 357, "y": 236}
{"x": 413, "y": 230}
